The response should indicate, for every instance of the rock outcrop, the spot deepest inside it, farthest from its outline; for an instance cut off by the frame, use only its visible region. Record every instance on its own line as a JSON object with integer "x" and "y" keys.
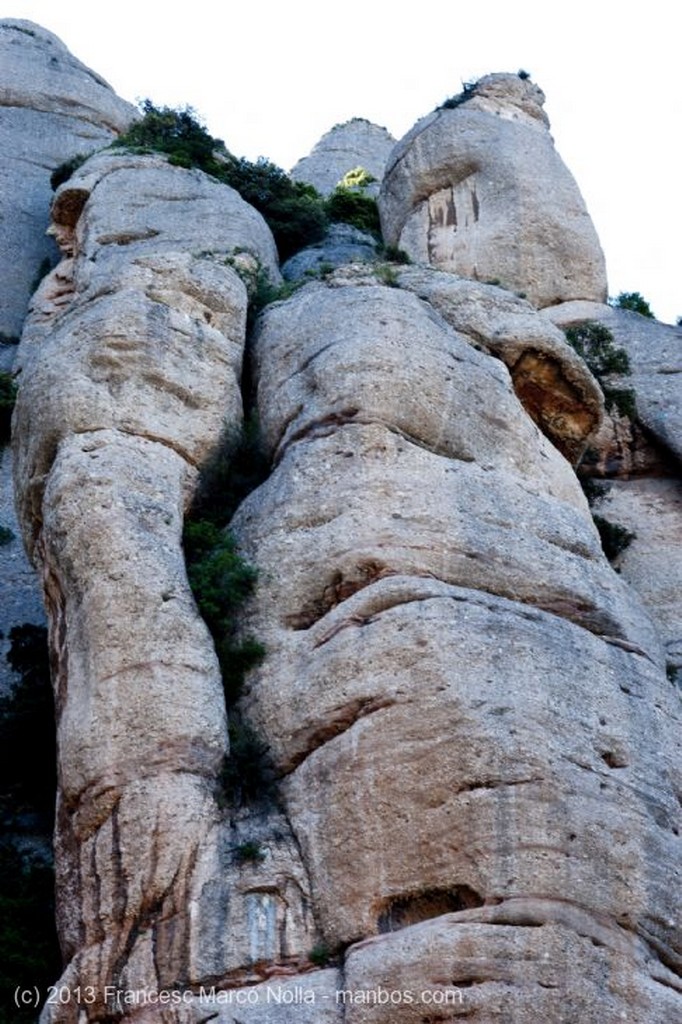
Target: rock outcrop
{"x": 479, "y": 190}
{"x": 357, "y": 143}
{"x": 53, "y": 108}
{"x": 129, "y": 370}
{"x": 462, "y": 714}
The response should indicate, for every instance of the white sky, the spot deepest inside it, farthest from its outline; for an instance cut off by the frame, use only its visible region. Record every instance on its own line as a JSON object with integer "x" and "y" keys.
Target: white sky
{"x": 271, "y": 77}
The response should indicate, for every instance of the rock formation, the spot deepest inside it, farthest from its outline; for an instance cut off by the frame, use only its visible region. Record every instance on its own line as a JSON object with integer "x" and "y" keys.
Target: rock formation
{"x": 53, "y": 108}
{"x": 357, "y": 143}
{"x": 463, "y": 710}
{"x": 478, "y": 189}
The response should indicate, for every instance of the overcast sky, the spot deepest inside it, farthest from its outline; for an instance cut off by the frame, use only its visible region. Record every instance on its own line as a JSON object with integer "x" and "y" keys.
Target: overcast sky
{"x": 270, "y": 78}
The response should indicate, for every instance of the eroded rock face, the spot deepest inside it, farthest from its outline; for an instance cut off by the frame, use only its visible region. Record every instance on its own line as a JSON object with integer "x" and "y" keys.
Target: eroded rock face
{"x": 53, "y": 108}
{"x": 357, "y": 143}
{"x": 456, "y": 681}
{"x": 129, "y": 380}
{"x": 480, "y": 191}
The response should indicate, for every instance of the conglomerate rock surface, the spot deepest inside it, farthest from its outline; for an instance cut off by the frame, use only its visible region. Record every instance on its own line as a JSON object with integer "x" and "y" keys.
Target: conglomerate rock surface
{"x": 480, "y": 191}
{"x": 129, "y": 378}
{"x": 357, "y": 143}
{"x": 465, "y": 710}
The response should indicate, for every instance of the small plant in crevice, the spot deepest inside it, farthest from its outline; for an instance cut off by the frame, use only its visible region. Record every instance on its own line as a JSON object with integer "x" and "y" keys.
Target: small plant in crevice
{"x": 246, "y": 776}
{"x": 221, "y": 582}
{"x": 231, "y": 474}
{"x": 386, "y": 275}
{"x": 320, "y": 955}
{"x": 392, "y": 254}
{"x": 8, "y": 339}
{"x": 64, "y": 171}
{"x": 8, "y": 394}
{"x": 6, "y": 535}
{"x": 249, "y": 852}
{"x": 352, "y": 206}
{"x": 673, "y": 672}
{"x": 592, "y": 489}
{"x": 614, "y": 537}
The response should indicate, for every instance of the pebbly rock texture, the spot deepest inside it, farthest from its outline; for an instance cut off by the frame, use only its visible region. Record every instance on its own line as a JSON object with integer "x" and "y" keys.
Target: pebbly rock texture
{"x": 456, "y": 682}
{"x": 52, "y": 108}
{"x": 357, "y": 143}
{"x": 480, "y": 191}
{"x": 129, "y": 378}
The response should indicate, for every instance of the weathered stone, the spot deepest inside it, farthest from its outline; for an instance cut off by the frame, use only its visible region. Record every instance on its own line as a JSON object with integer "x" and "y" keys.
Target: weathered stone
{"x": 480, "y": 191}
{"x": 53, "y": 108}
{"x": 357, "y": 143}
{"x": 342, "y": 244}
{"x": 129, "y": 378}
{"x": 524, "y": 960}
{"x": 651, "y": 509}
{"x": 455, "y": 681}
{"x": 553, "y": 383}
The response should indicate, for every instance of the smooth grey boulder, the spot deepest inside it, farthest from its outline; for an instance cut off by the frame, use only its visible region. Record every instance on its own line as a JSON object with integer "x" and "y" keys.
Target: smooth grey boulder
{"x": 357, "y": 143}
{"x": 480, "y": 191}
{"x": 342, "y": 244}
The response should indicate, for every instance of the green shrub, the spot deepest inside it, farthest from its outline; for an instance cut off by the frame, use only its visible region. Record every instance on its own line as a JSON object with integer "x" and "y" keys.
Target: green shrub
{"x": 294, "y": 211}
{"x": 29, "y": 951}
{"x": 230, "y": 475}
{"x": 8, "y": 339}
{"x": 6, "y": 536}
{"x": 221, "y": 582}
{"x": 8, "y": 394}
{"x": 393, "y": 254}
{"x": 64, "y": 171}
{"x": 596, "y": 345}
{"x": 320, "y": 955}
{"x": 634, "y": 302}
{"x": 351, "y": 206}
{"x": 249, "y": 852}
{"x": 246, "y": 776}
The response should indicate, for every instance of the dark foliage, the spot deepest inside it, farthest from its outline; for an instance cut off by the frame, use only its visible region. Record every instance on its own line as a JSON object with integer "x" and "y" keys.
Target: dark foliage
{"x": 352, "y": 206}
{"x": 28, "y": 778}
{"x": 64, "y": 171}
{"x": 614, "y": 537}
{"x": 8, "y": 394}
{"x": 634, "y": 302}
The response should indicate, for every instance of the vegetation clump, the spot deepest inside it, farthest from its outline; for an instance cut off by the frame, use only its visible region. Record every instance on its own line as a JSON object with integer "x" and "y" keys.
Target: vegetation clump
{"x": 467, "y": 93}
{"x": 634, "y": 302}
{"x": 294, "y": 211}
{"x": 595, "y": 343}
{"x": 64, "y": 171}
{"x": 221, "y": 582}
{"x": 249, "y": 852}
{"x": 614, "y": 537}
{"x": 6, "y": 536}
{"x": 8, "y": 394}
{"x": 29, "y": 952}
